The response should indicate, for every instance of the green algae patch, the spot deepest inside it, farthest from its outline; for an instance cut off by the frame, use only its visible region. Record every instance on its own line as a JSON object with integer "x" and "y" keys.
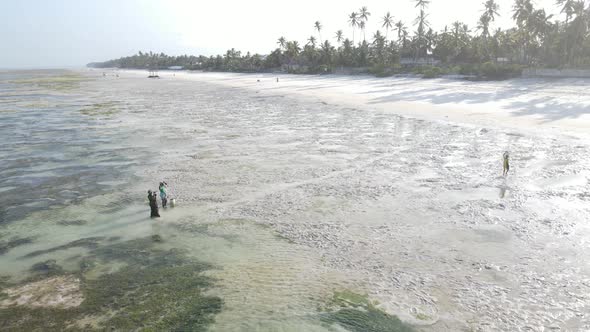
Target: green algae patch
{"x": 5, "y": 246}
{"x": 347, "y": 298}
{"x": 89, "y": 242}
{"x": 210, "y": 229}
{"x": 422, "y": 316}
{"x": 369, "y": 320}
{"x": 64, "y": 82}
{"x": 356, "y": 313}
{"x": 154, "y": 289}
{"x": 76, "y": 222}
{"x": 100, "y": 109}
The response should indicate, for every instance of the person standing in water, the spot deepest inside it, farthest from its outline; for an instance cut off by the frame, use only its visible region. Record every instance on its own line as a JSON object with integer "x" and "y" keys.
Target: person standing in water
{"x": 506, "y": 164}
{"x": 153, "y": 198}
{"x": 163, "y": 193}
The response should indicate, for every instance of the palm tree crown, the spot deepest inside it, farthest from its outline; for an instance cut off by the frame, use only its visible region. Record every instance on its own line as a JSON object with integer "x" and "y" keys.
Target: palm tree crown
{"x": 339, "y": 36}
{"x": 353, "y": 20}
{"x": 282, "y": 42}
{"x": 387, "y": 23}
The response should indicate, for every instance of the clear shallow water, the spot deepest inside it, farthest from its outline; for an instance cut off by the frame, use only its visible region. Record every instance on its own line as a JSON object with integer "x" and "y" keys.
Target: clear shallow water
{"x": 51, "y": 154}
{"x": 75, "y": 163}
{"x": 299, "y": 207}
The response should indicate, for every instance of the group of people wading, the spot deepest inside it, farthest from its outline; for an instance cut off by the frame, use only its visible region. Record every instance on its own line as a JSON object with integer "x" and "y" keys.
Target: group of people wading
{"x": 153, "y": 199}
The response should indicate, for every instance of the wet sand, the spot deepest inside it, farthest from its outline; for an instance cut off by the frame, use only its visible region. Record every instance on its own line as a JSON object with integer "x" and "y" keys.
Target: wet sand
{"x": 416, "y": 209}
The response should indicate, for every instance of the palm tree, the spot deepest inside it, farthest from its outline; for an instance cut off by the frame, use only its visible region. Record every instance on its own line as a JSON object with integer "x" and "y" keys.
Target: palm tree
{"x": 421, "y": 22}
{"x": 311, "y": 41}
{"x": 422, "y": 3}
{"x": 364, "y": 16}
{"x": 578, "y": 29}
{"x": 353, "y": 20}
{"x": 490, "y": 12}
{"x": 523, "y": 11}
{"x": 327, "y": 51}
{"x": 362, "y": 26}
{"x": 568, "y": 8}
{"x": 460, "y": 37}
{"x": 339, "y": 36}
{"x": 491, "y": 9}
{"x": 422, "y": 25}
{"x": 318, "y": 27}
{"x": 387, "y": 23}
{"x": 400, "y": 27}
{"x": 292, "y": 50}
{"x": 541, "y": 22}
{"x": 379, "y": 43}
{"x": 282, "y": 42}
{"x": 405, "y": 35}
{"x": 430, "y": 40}
{"x": 484, "y": 25}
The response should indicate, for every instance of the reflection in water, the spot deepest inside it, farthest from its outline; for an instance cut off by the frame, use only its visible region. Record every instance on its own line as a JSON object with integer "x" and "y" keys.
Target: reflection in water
{"x": 503, "y": 191}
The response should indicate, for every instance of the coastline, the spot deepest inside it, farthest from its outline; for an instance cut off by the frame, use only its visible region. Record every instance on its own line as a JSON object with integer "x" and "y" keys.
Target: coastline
{"x": 300, "y": 200}
{"x": 525, "y": 105}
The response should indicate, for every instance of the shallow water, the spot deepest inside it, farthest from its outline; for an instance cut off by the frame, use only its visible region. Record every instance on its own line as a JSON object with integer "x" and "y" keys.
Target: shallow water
{"x": 292, "y": 201}
{"x": 75, "y": 166}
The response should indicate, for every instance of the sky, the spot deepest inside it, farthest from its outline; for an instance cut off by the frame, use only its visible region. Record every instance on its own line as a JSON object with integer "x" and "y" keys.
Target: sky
{"x": 71, "y": 33}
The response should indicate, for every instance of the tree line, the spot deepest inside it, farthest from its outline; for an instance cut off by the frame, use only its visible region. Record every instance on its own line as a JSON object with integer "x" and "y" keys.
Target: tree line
{"x": 537, "y": 40}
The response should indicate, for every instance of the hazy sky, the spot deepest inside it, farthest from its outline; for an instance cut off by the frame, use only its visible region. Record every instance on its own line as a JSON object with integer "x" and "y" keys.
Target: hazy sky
{"x": 58, "y": 33}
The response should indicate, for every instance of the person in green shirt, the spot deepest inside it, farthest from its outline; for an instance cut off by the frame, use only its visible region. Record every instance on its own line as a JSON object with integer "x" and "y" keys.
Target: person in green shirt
{"x": 163, "y": 193}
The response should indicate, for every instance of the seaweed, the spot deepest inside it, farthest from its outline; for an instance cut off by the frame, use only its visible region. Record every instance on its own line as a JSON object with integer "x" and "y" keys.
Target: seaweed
{"x": 47, "y": 268}
{"x": 156, "y": 290}
{"x": 203, "y": 229}
{"x": 97, "y": 109}
{"x": 365, "y": 320}
{"x": 356, "y": 313}
{"x": 64, "y": 82}
{"x": 77, "y": 222}
{"x": 89, "y": 242}
{"x": 14, "y": 242}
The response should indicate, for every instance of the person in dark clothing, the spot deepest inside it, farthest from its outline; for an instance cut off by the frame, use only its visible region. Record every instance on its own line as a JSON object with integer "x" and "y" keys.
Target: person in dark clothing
{"x": 153, "y": 198}
{"x": 506, "y": 163}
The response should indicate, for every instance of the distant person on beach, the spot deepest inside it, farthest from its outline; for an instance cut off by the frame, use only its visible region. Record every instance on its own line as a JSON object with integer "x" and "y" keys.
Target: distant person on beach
{"x": 277, "y": 80}
{"x": 163, "y": 193}
{"x": 153, "y": 198}
{"x": 506, "y": 164}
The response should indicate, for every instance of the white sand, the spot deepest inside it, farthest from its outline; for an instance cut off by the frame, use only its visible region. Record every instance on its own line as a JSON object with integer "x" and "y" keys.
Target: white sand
{"x": 557, "y": 106}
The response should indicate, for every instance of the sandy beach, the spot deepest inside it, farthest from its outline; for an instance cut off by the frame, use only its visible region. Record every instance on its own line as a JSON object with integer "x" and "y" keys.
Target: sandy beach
{"x": 556, "y": 106}
{"x": 319, "y": 185}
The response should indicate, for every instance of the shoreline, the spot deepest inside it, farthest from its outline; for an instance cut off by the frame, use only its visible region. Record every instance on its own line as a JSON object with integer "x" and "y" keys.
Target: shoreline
{"x": 526, "y": 105}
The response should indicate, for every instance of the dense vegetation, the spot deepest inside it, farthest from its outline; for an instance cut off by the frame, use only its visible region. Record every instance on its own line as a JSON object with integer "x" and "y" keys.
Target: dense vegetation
{"x": 537, "y": 40}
